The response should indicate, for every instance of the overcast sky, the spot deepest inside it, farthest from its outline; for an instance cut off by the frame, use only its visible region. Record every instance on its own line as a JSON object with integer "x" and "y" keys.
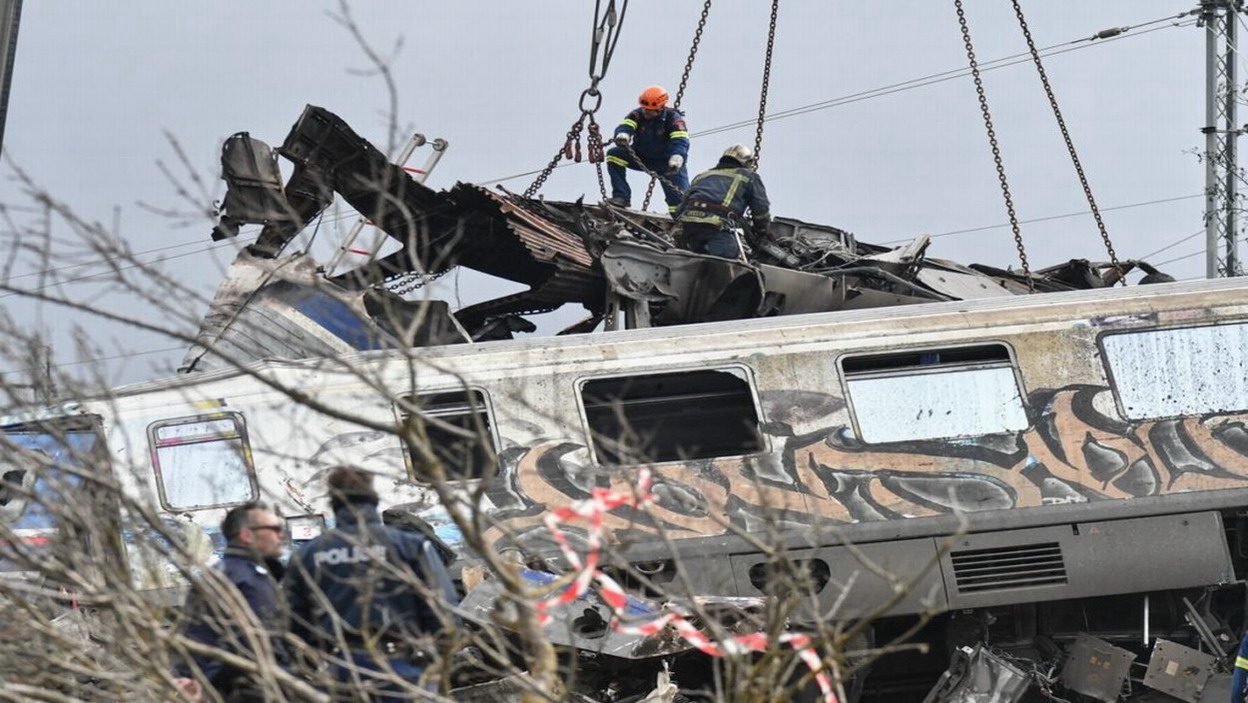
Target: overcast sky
{"x": 97, "y": 86}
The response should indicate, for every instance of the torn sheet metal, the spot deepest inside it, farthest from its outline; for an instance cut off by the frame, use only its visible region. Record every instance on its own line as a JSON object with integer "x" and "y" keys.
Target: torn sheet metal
{"x": 684, "y": 287}
{"x": 282, "y": 308}
{"x": 254, "y": 193}
{"x": 978, "y": 675}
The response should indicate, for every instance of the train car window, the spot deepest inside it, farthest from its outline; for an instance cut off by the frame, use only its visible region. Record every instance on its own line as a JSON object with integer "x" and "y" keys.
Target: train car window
{"x": 1181, "y": 371}
{"x": 934, "y": 394}
{"x": 202, "y": 462}
{"x": 671, "y": 416}
{"x": 459, "y": 432}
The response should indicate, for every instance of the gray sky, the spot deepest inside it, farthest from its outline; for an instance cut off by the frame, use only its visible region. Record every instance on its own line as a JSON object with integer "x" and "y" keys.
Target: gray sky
{"x": 97, "y": 85}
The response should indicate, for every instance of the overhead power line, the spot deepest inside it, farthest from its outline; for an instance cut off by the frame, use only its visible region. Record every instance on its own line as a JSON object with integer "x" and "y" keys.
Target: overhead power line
{"x": 1049, "y": 218}
{"x": 932, "y": 79}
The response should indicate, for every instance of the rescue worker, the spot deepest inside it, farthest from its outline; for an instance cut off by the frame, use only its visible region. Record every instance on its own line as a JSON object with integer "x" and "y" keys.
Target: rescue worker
{"x": 660, "y": 139}
{"x": 716, "y": 202}
{"x": 1239, "y": 679}
{"x": 368, "y": 595}
{"x": 252, "y": 563}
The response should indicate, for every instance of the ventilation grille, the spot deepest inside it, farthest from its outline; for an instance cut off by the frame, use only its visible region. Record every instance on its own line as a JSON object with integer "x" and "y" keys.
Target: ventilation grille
{"x": 1002, "y": 568}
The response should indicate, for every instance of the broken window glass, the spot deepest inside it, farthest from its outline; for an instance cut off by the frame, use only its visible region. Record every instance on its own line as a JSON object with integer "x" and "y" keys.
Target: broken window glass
{"x": 671, "y": 416}
{"x": 1182, "y": 371}
{"x": 453, "y": 429}
{"x": 202, "y": 462}
{"x": 934, "y": 394}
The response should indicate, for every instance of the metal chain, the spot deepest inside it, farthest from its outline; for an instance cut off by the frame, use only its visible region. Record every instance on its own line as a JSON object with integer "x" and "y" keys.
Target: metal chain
{"x": 992, "y": 141}
{"x": 409, "y": 281}
{"x": 603, "y": 39}
{"x": 1070, "y": 145}
{"x": 762, "y": 101}
{"x": 593, "y": 142}
{"x": 693, "y": 52}
{"x": 684, "y": 80}
{"x": 654, "y": 175}
{"x": 573, "y": 138}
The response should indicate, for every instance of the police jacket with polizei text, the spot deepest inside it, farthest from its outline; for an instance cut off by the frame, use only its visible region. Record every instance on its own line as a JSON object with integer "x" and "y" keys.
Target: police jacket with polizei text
{"x": 722, "y": 193}
{"x": 363, "y": 571}
{"x": 213, "y": 623}
{"x": 663, "y": 136}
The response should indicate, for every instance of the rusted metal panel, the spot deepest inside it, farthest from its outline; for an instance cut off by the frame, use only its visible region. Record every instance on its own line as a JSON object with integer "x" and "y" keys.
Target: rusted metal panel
{"x": 543, "y": 238}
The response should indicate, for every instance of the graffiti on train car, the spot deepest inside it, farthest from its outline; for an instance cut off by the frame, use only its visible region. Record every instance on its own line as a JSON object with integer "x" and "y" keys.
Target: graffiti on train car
{"x": 1075, "y": 450}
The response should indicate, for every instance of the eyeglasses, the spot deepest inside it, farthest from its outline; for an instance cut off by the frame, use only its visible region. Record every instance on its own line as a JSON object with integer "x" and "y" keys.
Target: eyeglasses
{"x": 277, "y": 529}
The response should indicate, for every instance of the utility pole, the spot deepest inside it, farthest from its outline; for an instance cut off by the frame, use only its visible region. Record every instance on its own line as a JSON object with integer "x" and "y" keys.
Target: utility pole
{"x": 1222, "y": 131}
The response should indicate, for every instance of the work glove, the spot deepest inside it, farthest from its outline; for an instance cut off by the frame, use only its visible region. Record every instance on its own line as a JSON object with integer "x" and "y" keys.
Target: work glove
{"x": 674, "y": 163}
{"x": 759, "y": 226}
{"x": 621, "y": 139}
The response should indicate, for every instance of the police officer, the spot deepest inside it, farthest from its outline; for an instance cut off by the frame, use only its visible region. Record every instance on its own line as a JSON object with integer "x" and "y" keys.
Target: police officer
{"x": 716, "y": 203}
{"x": 368, "y": 594}
{"x": 251, "y": 563}
{"x": 660, "y": 139}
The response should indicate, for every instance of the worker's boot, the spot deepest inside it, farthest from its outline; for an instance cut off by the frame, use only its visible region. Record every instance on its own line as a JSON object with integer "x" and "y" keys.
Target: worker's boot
{"x": 616, "y": 202}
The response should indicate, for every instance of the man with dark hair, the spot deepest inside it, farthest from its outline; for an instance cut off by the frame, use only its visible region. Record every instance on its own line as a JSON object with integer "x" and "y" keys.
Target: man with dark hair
{"x": 251, "y": 563}
{"x": 368, "y": 594}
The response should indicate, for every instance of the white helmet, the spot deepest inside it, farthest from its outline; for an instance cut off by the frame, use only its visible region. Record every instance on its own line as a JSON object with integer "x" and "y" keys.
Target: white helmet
{"x": 742, "y": 153}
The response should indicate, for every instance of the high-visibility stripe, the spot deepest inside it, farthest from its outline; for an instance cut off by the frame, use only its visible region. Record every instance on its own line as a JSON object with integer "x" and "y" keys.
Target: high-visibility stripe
{"x": 737, "y": 180}
{"x": 672, "y": 208}
{"x": 678, "y": 135}
{"x": 701, "y": 217}
{"x": 1241, "y": 662}
{"x": 707, "y": 174}
{"x": 617, "y": 161}
{"x": 629, "y": 123}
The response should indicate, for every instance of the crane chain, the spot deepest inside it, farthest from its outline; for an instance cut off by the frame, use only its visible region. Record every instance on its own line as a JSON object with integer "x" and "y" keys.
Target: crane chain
{"x": 684, "y": 80}
{"x": 762, "y": 101}
{"x": 403, "y": 283}
{"x": 573, "y": 138}
{"x": 693, "y": 52}
{"x": 1070, "y": 145}
{"x": 653, "y": 174}
{"x": 605, "y": 36}
{"x": 992, "y": 142}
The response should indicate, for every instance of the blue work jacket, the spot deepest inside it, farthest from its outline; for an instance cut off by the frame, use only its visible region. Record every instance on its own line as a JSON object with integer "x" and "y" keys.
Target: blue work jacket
{"x": 718, "y": 196}
{"x": 658, "y": 138}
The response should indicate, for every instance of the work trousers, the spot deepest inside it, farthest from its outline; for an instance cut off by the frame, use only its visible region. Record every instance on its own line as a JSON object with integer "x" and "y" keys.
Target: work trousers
{"x": 619, "y": 178}
{"x": 710, "y": 239}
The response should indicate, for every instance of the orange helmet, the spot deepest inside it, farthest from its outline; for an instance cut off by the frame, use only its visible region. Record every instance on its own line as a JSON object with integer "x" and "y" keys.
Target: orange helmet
{"x": 653, "y": 98}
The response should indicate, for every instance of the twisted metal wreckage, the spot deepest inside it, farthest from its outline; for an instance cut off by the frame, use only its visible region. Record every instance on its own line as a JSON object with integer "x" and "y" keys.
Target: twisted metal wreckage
{"x": 610, "y": 260}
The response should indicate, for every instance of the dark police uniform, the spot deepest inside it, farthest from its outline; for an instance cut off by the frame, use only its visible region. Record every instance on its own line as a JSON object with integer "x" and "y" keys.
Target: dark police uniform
{"x": 209, "y": 623}
{"x": 716, "y": 201}
{"x": 350, "y": 581}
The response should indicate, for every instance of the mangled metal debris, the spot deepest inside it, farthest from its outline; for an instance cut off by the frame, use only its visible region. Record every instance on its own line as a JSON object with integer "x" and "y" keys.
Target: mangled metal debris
{"x": 1096, "y": 668}
{"x": 606, "y": 259}
{"x": 978, "y": 675}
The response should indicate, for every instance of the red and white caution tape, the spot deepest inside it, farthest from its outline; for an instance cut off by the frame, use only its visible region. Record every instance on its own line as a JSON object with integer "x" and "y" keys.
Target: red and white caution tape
{"x": 593, "y": 510}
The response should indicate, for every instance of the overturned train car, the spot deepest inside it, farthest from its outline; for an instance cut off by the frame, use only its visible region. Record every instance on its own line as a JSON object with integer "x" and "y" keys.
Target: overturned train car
{"x": 1086, "y": 450}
